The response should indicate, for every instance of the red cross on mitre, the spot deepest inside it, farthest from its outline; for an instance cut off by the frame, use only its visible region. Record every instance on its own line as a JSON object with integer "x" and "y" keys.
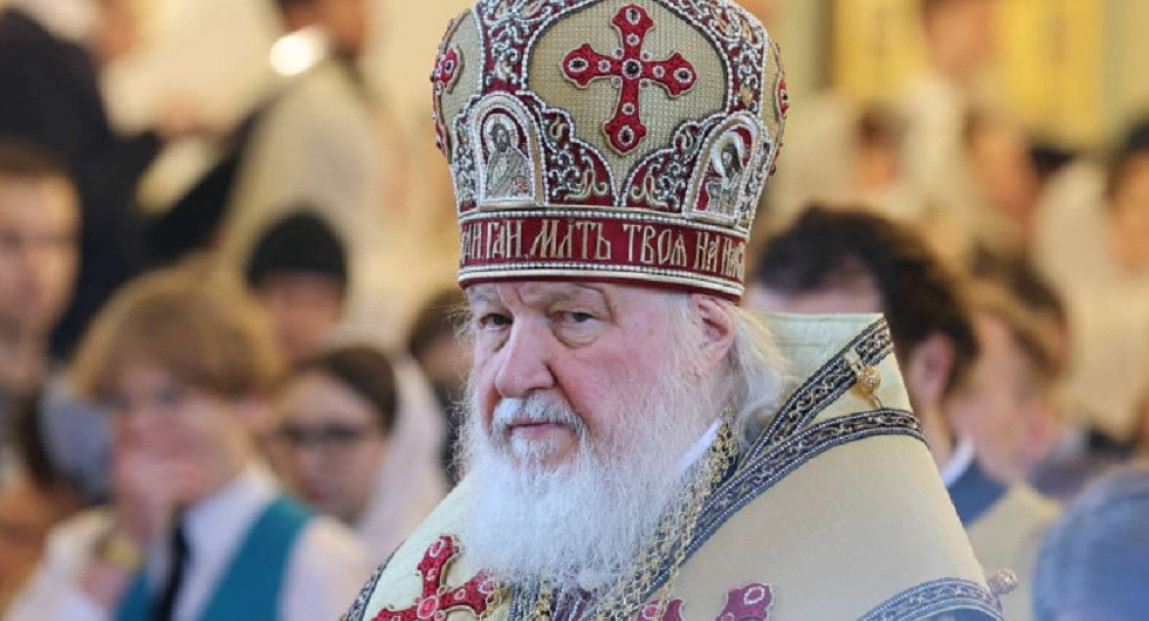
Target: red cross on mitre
{"x": 447, "y": 70}
{"x": 783, "y": 97}
{"x": 629, "y": 68}
{"x": 749, "y": 603}
{"x": 476, "y": 595}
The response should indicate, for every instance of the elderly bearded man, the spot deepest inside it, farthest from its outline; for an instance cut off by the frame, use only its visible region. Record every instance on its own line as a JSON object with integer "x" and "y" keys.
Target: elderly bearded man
{"x": 634, "y": 449}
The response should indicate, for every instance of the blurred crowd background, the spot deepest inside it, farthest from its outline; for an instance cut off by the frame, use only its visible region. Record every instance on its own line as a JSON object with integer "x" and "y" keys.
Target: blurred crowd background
{"x": 277, "y": 156}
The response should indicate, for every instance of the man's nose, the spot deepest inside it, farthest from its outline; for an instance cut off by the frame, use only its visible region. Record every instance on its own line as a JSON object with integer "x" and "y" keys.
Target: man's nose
{"x": 524, "y": 366}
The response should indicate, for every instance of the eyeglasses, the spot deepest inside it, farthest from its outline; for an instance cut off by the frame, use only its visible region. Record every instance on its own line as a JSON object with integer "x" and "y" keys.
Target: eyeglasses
{"x": 325, "y": 438}
{"x": 162, "y": 400}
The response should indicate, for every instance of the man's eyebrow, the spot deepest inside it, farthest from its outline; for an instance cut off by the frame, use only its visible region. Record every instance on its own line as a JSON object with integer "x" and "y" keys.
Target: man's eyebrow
{"x": 481, "y": 294}
{"x": 575, "y": 290}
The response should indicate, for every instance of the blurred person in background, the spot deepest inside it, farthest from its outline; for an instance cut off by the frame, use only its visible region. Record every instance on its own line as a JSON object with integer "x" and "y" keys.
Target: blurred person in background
{"x": 1077, "y": 454}
{"x": 63, "y": 452}
{"x": 298, "y": 271}
{"x": 314, "y": 141}
{"x": 434, "y": 343}
{"x": 51, "y": 54}
{"x": 1008, "y": 403}
{"x": 1093, "y": 564}
{"x": 1006, "y": 182}
{"x": 960, "y": 46}
{"x": 53, "y": 447}
{"x": 1097, "y": 258}
{"x": 879, "y": 178}
{"x": 841, "y": 153}
{"x": 1008, "y": 406}
{"x": 39, "y": 236}
{"x": 300, "y": 274}
{"x": 335, "y": 420}
{"x": 197, "y": 527}
{"x": 851, "y": 261}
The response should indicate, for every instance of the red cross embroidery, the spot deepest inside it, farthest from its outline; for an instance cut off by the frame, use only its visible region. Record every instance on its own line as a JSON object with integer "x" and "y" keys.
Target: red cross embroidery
{"x": 783, "y": 97}
{"x": 630, "y": 68}
{"x": 749, "y": 603}
{"x": 476, "y": 595}
{"x": 447, "y": 71}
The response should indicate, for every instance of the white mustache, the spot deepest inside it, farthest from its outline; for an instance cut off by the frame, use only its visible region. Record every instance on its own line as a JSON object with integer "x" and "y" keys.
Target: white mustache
{"x": 535, "y": 410}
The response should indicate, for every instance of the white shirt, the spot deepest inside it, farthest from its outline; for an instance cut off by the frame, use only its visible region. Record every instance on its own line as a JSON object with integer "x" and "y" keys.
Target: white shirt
{"x": 1108, "y": 305}
{"x": 959, "y": 462}
{"x": 324, "y": 573}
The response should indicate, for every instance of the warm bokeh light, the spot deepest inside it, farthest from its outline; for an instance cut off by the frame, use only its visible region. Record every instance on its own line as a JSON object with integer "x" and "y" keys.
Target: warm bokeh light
{"x": 297, "y": 52}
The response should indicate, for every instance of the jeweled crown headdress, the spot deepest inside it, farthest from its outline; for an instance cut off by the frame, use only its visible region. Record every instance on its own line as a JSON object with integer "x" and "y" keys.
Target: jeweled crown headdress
{"x": 616, "y": 140}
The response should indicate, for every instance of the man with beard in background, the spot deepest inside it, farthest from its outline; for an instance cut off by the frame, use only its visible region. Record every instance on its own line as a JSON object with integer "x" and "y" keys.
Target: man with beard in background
{"x": 636, "y": 446}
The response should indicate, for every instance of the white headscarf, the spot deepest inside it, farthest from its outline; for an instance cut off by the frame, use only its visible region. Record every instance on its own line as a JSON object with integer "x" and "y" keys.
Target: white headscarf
{"x": 411, "y": 478}
{"x": 71, "y": 20}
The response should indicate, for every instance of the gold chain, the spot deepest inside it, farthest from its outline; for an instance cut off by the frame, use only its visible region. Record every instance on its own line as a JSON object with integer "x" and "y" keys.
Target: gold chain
{"x": 493, "y": 601}
{"x": 542, "y": 611}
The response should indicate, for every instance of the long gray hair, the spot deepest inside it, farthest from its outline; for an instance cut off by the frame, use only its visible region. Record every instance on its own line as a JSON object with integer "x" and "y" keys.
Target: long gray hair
{"x": 758, "y": 374}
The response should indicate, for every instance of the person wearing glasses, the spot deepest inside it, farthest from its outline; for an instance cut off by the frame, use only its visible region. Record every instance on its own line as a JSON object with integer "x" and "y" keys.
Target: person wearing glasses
{"x": 336, "y": 415}
{"x": 197, "y": 527}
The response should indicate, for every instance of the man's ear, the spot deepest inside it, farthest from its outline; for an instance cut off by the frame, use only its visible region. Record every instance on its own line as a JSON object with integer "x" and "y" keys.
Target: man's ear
{"x": 717, "y": 321}
{"x": 928, "y": 369}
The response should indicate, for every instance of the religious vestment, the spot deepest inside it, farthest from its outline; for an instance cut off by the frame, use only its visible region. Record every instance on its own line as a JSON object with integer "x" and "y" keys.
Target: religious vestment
{"x": 834, "y": 511}
{"x": 253, "y": 555}
{"x": 826, "y": 506}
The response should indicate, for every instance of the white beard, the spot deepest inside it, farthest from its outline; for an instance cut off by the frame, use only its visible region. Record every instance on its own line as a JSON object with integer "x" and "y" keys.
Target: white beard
{"x": 579, "y": 525}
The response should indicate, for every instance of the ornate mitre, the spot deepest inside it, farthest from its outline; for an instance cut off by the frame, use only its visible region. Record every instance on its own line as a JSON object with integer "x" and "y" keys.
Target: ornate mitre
{"x": 608, "y": 139}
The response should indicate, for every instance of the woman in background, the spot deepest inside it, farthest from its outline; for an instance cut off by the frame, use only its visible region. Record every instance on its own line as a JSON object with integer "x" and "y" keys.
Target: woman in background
{"x": 336, "y": 415}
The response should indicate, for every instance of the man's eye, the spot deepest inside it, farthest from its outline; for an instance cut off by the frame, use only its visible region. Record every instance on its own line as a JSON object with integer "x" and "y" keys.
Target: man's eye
{"x": 575, "y": 317}
{"x": 491, "y": 321}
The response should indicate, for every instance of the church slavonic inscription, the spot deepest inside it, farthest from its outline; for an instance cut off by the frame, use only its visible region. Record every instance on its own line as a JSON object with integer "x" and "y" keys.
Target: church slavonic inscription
{"x": 569, "y": 240}
{"x": 603, "y": 241}
{"x": 488, "y": 241}
{"x": 720, "y": 255}
{"x": 651, "y": 246}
